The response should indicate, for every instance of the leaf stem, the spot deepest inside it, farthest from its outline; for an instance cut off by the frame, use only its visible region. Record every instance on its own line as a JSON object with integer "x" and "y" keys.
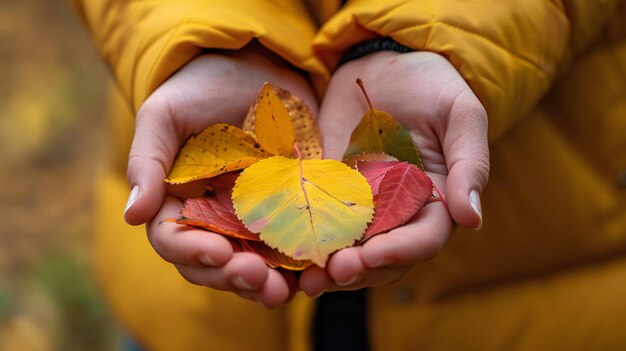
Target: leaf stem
{"x": 443, "y": 201}
{"x": 295, "y": 146}
{"x": 362, "y": 86}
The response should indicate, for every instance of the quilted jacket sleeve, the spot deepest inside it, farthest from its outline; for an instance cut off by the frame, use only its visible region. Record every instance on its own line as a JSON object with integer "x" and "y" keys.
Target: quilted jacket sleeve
{"x": 508, "y": 51}
{"x": 144, "y": 42}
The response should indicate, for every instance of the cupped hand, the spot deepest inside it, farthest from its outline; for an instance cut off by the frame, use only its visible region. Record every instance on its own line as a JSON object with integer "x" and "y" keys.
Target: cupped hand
{"x": 426, "y": 94}
{"x": 210, "y": 89}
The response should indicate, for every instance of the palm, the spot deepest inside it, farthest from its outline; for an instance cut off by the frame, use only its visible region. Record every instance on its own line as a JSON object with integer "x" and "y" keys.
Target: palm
{"x": 215, "y": 88}
{"x": 420, "y": 90}
{"x": 211, "y": 89}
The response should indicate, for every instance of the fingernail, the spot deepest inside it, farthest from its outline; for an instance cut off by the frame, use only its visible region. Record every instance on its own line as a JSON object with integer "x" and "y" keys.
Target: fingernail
{"x": 318, "y": 294}
{"x": 240, "y": 283}
{"x": 349, "y": 282}
{"x": 474, "y": 199}
{"x": 206, "y": 260}
{"x": 262, "y": 304}
{"x": 132, "y": 197}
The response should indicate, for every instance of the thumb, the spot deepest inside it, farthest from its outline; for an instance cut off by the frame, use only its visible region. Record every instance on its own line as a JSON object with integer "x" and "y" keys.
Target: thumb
{"x": 151, "y": 154}
{"x": 466, "y": 151}
{"x": 339, "y": 114}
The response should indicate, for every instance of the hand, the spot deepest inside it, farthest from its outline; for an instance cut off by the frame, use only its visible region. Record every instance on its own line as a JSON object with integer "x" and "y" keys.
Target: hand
{"x": 424, "y": 93}
{"x": 210, "y": 89}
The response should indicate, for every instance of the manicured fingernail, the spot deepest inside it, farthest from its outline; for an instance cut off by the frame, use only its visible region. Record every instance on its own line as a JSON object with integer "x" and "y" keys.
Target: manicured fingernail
{"x": 240, "y": 283}
{"x": 206, "y": 260}
{"x": 132, "y": 197}
{"x": 474, "y": 199}
{"x": 349, "y": 282}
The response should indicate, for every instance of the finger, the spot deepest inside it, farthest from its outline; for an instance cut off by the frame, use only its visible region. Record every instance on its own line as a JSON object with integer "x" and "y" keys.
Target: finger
{"x": 346, "y": 271}
{"x": 292, "y": 282}
{"x": 467, "y": 156}
{"x": 276, "y": 290}
{"x": 418, "y": 241}
{"x": 243, "y": 272}
{"x": 387, "y": 257}
{"x": 152, "y": 152}
{"x": 373, "y": 277}
{"x": 340, "y": 112}
{"x": 403, "y": 247}
{"x": 315, "y": 280}
{"x": 345, "y": 267}
{"x": 185, "y": 245}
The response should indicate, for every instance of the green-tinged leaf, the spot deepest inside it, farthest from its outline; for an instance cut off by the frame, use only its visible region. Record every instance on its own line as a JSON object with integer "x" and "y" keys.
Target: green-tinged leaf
{"x": 379, "y": 132}
{"x": 307, "y": 209}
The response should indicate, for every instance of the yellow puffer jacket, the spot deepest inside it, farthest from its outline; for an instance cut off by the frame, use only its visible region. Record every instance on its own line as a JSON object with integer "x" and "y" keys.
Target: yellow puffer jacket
{"x": 548, "y": 269}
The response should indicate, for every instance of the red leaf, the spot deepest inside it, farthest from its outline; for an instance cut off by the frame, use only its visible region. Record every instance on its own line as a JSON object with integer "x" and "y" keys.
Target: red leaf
{"x": 375, "y": 171}
{"x": 273, "y": 257}
{"x": 403, "y": 190}
{"x": 215, "y": 211}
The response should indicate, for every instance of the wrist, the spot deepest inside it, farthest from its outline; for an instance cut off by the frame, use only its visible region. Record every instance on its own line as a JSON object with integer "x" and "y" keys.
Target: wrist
{"x": 371, "y": 46}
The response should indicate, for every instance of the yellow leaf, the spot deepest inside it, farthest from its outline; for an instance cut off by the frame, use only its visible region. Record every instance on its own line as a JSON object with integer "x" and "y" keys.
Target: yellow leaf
{"x": 218, "y": 149}
{"x": 307, "y": 209}
{"x": 307, "y": 134}
{"x": 272, "y": 123}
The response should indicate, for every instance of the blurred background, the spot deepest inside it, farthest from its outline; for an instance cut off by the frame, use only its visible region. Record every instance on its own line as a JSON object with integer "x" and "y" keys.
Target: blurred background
{"x": 52, "y": 102}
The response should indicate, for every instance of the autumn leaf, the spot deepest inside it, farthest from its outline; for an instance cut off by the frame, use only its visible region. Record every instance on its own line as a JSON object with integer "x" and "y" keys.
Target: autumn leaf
{"x": 296, "y": 212}
{"x": 374, "y": 172}
{"x": 402, "y": 190}
{"x": 379, "y": 132}
{"x": 369, "y": 157}
{"x": 307, "y": 209}
{"x": 272, "y": 125}
{"x": 215, "y": 211}
{"x": 218, "y": 149}
{"x": 307, "y": 135}
{"x": 273, "y": 257}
